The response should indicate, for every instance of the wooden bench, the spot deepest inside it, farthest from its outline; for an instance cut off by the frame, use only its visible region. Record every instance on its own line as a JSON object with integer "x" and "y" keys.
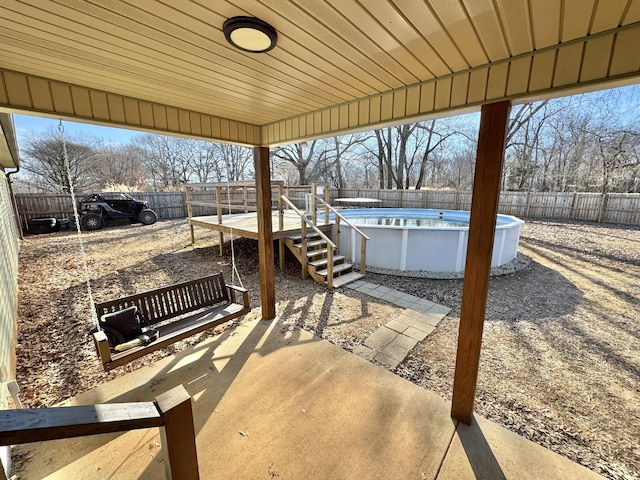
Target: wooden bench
{"x": 207, "y": 301}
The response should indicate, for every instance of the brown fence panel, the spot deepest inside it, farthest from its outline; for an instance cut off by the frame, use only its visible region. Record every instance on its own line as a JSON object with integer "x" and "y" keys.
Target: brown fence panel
{"x": 587, "y": 206}
{"x": 165, "y": 204}
{"x": 412, "y": 199}
{"x": 33, "y": 205}
{"x": 622, "y": 208}
{"x": 611, "y": 208}
{"x": 513, "y": 203}
{"x": 441, "y": 199}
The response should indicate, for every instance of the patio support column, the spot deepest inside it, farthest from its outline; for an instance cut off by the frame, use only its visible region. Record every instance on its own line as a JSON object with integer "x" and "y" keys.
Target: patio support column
{"x": 265, "y": 233}
{"x": 482, "y": 226}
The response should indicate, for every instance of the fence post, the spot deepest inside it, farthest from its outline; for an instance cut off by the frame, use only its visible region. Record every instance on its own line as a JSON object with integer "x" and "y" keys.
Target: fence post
{"x": 178, "y": 434}
{"x": 574, "y": 205}
{"x": 603, "y": 206}
{"x": 528, "y": 207}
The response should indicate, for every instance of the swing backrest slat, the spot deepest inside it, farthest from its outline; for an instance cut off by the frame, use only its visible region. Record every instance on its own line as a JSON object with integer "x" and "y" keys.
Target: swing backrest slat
{"x": 164, "y": 303}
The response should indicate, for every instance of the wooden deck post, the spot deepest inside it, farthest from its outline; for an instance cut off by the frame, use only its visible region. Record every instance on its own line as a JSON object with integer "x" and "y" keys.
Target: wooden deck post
{"x": 314, "y": 203}
{"x": 265, "y": 233}
{"x": 219, "y": 211}
{"x": 280, "y": 227}
{"x": 178, "y": 434}
{"x": 484, "y": 208}
{"x": 190, "y": 212}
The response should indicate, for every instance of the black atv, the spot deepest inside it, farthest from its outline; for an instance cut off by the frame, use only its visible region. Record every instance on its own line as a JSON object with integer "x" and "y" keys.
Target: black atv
{"x": 97, "y": 209}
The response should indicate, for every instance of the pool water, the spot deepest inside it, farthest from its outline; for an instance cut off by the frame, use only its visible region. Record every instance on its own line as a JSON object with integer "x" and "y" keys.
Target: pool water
{"x": 406, "y": 222}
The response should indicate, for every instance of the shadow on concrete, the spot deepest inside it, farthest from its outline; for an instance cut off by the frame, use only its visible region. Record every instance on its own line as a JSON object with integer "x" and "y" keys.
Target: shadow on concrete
{"x": 207, "y": 379}
{"x": 478, "y": 451}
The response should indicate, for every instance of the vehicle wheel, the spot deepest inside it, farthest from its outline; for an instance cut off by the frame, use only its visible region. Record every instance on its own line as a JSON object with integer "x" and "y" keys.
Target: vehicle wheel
{"x": 91, "y": 221}
{"x": 64, "y": 224}
{"x": 147, "y": 217}
{"x": 42, "y": 225}
{"x": 114, "y": 337}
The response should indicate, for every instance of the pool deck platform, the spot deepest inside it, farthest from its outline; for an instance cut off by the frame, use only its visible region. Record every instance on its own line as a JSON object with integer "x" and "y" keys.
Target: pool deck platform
{"x": 246, "y": 224}
{"x": 272, "y": 402}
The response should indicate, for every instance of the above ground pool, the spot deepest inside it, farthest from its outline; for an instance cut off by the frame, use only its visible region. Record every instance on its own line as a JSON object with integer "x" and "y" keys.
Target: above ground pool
{"x": 421, "y": 240}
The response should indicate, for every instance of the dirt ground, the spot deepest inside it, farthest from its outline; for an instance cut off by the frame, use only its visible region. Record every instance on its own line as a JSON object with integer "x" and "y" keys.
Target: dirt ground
{"x": 561, "y": 348}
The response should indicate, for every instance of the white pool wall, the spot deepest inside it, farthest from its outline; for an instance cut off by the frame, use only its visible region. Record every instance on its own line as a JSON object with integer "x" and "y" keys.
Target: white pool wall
{"x": 431, "y": 249}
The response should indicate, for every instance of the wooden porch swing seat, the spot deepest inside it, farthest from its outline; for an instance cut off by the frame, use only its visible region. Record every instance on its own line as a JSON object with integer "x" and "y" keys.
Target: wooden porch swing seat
{"x": 177, "y": 312}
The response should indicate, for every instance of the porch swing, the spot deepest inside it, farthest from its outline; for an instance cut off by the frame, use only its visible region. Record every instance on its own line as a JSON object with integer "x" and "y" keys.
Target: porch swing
{"x": 130, "y": 327}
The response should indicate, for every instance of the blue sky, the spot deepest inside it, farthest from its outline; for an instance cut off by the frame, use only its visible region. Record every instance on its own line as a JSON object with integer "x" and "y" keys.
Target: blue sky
{"x": 26, "y": 125}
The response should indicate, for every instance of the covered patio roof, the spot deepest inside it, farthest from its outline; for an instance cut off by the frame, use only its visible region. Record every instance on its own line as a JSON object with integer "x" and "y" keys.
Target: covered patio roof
{"x": 339, "y": 65}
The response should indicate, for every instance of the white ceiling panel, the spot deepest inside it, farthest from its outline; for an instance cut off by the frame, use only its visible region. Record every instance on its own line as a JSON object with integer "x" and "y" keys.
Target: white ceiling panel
{"x": 332, "y": 53}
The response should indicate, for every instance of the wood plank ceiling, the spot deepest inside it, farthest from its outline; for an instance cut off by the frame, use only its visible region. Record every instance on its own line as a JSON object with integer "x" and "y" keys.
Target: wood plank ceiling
{"x": 338, "y": 65}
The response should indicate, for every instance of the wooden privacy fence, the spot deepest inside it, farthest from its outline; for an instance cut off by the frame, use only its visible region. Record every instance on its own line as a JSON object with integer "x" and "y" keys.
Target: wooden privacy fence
{"x": 610, "y": 208}
{"x": 34, "y": 205}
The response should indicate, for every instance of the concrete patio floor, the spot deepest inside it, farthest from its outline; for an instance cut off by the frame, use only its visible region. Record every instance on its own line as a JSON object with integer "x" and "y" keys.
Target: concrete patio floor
{"x": 271, "y": 403}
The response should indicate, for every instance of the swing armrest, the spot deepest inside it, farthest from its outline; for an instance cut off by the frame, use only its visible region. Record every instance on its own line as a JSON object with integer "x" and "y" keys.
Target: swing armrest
{"x": 102, "y": 346}
{"x": 232, "y": 294}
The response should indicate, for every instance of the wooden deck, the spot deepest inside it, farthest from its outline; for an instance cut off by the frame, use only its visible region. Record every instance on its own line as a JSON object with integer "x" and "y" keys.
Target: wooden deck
{"x": 246, "y": 224}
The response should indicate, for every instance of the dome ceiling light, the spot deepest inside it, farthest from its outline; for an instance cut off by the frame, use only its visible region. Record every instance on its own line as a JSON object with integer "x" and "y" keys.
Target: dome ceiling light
{"x": 250, "y": 34}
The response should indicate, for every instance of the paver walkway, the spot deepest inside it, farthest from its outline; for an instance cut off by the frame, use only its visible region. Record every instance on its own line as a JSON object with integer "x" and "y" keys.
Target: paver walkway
{"x": 390, "y": 344}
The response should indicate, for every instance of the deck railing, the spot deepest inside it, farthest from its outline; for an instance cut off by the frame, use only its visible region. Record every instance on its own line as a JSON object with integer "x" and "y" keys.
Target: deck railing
{"x": 171, "y": 412}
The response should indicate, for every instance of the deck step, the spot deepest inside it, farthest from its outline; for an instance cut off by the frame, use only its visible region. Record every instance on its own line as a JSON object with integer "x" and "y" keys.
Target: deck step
{"x": 316, "y": 253}
{"x": 323, "y": 261}
{"x": 341, "y": 267}
{"x": 298, "y": 238}
{"x": 343, "y": 280}
{"x": 312, "y": 243}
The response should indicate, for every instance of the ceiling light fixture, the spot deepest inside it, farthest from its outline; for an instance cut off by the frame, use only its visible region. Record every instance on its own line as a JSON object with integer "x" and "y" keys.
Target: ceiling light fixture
{"x": 250, "y": 34}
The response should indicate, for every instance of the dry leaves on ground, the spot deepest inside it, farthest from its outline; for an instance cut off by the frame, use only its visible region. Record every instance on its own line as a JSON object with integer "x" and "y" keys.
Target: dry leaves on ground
{"x": 561, "y": 350}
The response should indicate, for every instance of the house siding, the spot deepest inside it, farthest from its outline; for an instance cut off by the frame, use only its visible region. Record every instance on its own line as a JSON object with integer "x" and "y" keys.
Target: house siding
{"x": 8, "y": 288}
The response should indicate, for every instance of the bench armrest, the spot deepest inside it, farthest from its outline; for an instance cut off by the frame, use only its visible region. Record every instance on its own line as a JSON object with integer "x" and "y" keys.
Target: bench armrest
{"x": 102, "y": 346}
{"x": 232, "y": 294}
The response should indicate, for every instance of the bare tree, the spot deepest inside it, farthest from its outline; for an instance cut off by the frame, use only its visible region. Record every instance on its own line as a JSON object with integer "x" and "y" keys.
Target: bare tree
{"x": 119, "y": 165}
{"x": 308, "y": 158}
{"x": 616, "y": 150}
{"x": 166, "y": 159}
{"x": 44, "y": 161}
{"x": 342, "y": 158}
{"x": 435, "y": 138}
{"x": 236, "y": 161}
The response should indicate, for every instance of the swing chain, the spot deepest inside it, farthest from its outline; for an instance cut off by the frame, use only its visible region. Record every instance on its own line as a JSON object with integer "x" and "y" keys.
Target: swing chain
{"x": 234, "y": 268}
{"x": 76, "y": 216}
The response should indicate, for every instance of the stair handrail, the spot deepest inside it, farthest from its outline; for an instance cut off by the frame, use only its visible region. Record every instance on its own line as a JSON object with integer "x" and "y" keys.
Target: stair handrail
{"x": 343, "y": 218}
{"x": 309, "y": 222}
{"x": 330, "y": 245}
{"x": 338, "y": 218}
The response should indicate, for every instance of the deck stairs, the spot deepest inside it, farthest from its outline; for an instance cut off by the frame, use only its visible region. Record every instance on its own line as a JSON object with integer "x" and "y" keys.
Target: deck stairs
{"x": 317, "y": 261}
